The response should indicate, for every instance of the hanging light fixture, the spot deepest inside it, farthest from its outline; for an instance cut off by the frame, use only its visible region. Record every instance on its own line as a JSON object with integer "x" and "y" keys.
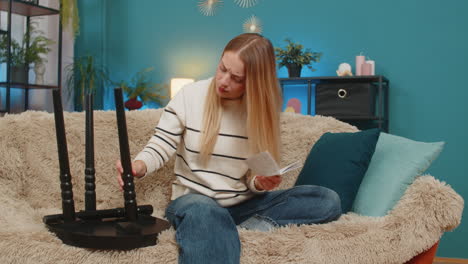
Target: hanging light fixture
{"x": 253, "y": 25}
{"x": 246, "y": 3}
{"x": 209, "y": 7}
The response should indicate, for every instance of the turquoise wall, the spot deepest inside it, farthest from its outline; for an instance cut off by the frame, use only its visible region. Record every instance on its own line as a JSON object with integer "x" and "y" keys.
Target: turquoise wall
{"x": 421, "y": 46}
{"x": 91, "y": 40}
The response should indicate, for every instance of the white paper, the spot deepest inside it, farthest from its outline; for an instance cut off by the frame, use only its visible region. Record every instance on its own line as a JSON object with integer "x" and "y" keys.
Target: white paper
{"x": 263, "y": 164}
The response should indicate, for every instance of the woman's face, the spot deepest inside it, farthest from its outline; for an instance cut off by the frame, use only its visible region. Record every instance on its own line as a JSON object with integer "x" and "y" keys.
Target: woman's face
{"x": 230, "y": 76}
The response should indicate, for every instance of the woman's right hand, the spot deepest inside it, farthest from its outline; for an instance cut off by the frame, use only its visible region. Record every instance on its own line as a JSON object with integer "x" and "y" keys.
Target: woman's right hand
{"x": 138, "y": 170}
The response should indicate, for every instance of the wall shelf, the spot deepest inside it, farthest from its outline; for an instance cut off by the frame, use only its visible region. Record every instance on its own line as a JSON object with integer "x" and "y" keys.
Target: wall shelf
{"x": 27, "y": 8}
{"x": 28, "y": 85}
{"x": 338, "y": 79}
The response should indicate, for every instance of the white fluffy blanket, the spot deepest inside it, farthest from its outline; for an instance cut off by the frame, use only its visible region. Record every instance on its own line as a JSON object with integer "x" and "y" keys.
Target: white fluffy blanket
{"x": 29, "y": 189}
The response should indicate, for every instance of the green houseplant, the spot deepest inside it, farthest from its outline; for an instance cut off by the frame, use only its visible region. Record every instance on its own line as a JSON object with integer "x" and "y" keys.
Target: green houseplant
{"x": 142, "y": 88}
{"x": 39, "y": 45}
{"x": 293, "y": 56}
{"x": 83, "y": 75}
{"x": 32, "y": 51}
{"x": 69, "y": 13}
{"x": 17, "y": 52}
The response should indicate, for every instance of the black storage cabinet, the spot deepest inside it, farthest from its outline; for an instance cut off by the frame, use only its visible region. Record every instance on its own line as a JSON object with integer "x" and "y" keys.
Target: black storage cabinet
{"x": 359, "y": 100}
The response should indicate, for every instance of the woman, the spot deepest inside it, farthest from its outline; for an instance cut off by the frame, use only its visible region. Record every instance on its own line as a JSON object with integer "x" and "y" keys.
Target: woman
{"x": 213, "y": 126}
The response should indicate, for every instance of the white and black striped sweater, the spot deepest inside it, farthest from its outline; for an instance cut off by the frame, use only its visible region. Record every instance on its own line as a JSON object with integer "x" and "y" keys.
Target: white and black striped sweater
{"x": 178, "y": 131}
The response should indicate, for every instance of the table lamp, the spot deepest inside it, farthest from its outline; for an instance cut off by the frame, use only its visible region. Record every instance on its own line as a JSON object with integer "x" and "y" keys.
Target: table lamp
{"x": 177, "y": 83}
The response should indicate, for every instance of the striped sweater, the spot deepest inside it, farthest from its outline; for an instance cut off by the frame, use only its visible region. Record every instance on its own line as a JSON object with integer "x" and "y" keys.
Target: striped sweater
{"x": 224, "y": 178}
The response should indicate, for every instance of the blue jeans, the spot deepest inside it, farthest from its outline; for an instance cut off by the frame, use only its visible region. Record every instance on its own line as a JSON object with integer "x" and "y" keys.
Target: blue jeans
{"x": 207, "y": 233}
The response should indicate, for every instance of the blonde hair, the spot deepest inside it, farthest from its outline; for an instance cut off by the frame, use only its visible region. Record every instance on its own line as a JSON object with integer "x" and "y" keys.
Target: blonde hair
{"x": 262, "y": 98}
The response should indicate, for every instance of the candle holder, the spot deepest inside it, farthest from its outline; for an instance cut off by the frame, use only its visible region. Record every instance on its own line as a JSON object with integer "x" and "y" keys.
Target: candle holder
{"x": 120, "y": 228}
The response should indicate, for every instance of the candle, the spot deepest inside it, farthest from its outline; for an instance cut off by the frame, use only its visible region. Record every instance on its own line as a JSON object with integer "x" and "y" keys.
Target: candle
{"x": 366, "y": 69}
{"x": 372, "y": 63}
{"x": 359, "y": 61}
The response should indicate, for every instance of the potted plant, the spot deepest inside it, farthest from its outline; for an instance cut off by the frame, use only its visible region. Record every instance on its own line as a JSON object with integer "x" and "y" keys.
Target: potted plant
{"x": 23, "y": 56}
{"x": 141, "y": 88}
{"x": 38, "y": 47}
{"x": 18, "y": 67}
{"x": 69, "y": 14}
{"x": 83, "y": 74}
{"x": 293, "y": 56}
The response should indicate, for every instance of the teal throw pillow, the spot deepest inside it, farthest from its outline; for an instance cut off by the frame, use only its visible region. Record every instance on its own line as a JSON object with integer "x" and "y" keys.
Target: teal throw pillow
{"x": 339, "y": 161}
{"x": 397, "y": 161}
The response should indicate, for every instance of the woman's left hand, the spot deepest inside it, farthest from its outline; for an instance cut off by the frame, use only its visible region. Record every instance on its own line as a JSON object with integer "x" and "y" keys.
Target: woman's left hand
{"x": 267, "y": 182}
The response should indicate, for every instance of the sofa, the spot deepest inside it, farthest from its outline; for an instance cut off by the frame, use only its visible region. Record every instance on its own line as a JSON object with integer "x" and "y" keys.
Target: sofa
{"x": 30, "y": 189}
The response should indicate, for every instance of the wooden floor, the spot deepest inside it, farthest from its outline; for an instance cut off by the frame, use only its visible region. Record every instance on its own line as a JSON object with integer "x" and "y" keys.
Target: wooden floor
{"x": 449, "y": 261}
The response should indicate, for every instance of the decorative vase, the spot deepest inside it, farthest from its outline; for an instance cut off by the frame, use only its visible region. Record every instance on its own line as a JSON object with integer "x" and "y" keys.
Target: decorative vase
{"x": 39, "y": 70}
{"x": 294, "y": 70}
{"x": 133, "y": 103}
